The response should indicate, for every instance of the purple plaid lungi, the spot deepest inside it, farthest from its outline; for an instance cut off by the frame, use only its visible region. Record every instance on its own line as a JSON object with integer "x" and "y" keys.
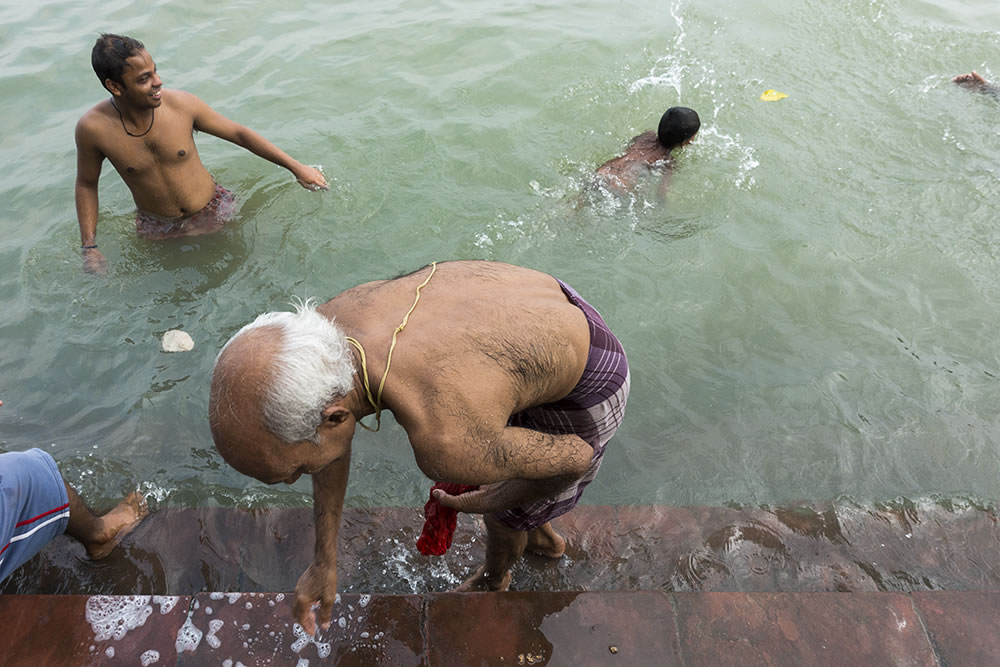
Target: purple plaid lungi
{"x": 593, "y": 410}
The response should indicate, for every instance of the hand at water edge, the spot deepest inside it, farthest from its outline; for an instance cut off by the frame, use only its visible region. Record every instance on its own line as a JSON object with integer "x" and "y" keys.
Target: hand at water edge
{"x": 318, "y": 584}
{"x": 94, "y": 262}
{"x": 311, "y": 178}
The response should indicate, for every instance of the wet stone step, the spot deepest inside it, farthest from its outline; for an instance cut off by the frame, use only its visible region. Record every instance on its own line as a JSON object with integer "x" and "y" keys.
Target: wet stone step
{"x": 460, "y": 629}
{"x": 813, "y": 547}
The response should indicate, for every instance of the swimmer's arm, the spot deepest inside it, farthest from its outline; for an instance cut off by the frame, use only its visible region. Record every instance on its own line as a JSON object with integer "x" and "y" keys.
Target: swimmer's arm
{"x": 975, "y": 81}
{"x": 88, "y": 172}
{"x": 319, "y": 582}
{"x": 207, "y": 119}
{"x": 661, "y": 191}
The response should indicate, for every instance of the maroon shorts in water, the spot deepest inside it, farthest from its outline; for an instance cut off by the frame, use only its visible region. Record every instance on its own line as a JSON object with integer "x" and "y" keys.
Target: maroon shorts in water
{"x": 213, "y": 217}
{"x": 593, "y": 410}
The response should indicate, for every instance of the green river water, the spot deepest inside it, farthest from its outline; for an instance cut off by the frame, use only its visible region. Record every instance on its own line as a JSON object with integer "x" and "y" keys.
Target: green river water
{"x": 810, "y": 315}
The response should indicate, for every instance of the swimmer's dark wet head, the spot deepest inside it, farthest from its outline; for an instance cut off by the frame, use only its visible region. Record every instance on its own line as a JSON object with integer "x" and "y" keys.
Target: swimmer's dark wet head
{"x": 678, "y": 125}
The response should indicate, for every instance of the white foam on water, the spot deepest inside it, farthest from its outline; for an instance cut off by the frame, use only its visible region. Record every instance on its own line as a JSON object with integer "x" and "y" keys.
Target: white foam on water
{"x": 302, "y": 663}
{"x": 233, "y": 597}
{"x": 364, "y": 600}
{"x": 110, "y": 651}
{"x": 188, "y": 637}
{"x": 111, "y": 617}
{"x": 302, "y": 639}
{"x": 154, "y": 492}
{"x": 279, "y": 597}
{"x": 166, "y": 602}
{"x": 213, "y": 627}
{"x": 216, "y": 596}
{"x": 149, "y": 657}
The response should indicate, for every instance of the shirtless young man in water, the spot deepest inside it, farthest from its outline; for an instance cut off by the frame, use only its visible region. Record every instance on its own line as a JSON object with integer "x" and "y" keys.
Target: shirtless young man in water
{"x": 147, "y": 133}
{"x": 650, "y": 150}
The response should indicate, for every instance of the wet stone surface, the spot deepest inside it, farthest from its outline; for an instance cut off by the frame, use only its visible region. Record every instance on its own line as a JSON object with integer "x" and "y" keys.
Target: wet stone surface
{"x": 962, "y": 625}
{"x": 556, "y": 628}
{"x": 810, "y": 547}
{"x": 257, "y": 629}
{"x": 90, "y": 630}
{"x": 801, "y": 629}
{"x": 600, "y": 628}
{"x": 814, "y": 547}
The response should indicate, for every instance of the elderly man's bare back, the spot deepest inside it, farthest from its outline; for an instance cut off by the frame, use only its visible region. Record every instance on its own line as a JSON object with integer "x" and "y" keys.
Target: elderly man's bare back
{"x": 485, "y": 341}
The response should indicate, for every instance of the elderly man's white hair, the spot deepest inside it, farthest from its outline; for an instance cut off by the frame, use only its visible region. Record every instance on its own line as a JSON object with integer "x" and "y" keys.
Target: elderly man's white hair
{"x": 312, "y": 367}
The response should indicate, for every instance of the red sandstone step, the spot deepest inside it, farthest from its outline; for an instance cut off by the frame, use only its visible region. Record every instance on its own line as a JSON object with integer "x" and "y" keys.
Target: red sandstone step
{"x": 606, "y": 628}
{"x": 805, "y": 548}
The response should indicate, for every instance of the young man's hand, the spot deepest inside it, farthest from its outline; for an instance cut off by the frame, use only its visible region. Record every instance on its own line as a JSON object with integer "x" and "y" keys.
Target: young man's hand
{"x": 94, "y": 262}
{"x": 311, "y": 178}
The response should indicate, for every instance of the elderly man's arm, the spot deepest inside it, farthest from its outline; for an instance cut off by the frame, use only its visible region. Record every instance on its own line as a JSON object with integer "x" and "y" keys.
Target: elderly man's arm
{"x": 484, "y": 456}
{"x": 514, "y": 467}
{"x": 319, "y": 582}
{"x": 502, "y": 496}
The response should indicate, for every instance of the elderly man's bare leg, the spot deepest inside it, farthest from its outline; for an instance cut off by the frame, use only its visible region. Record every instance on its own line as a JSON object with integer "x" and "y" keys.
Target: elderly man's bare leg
{"x": 504, "y": 545}
{"x": 100, "y": 534}
{"x": 545, "y": 541}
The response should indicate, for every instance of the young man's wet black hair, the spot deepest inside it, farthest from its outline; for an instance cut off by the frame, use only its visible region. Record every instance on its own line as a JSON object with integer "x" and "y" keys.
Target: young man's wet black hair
{"x": 110, "y": 56}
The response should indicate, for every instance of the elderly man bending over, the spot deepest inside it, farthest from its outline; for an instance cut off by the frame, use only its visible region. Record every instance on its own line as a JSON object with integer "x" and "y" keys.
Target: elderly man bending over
{"x": 504, "y": 377}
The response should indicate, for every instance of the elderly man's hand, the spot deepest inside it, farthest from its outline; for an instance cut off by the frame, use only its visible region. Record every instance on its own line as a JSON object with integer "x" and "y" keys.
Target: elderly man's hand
{"x": 502, "y": 495}
{"x": 317, "y": 584}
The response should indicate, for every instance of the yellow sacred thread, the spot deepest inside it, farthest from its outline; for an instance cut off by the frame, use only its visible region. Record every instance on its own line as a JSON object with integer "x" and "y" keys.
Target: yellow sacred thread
{"x": 376, "y": 401}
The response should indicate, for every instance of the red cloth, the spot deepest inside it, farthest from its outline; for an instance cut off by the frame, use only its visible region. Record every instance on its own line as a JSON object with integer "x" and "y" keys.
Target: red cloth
{"x": 439, "y": 521}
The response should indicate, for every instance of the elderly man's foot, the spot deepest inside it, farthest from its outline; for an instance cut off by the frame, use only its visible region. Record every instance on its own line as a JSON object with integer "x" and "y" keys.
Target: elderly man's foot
{"x": 971, "y": 80}
{"x": 116, "y": 524}
{"x": 481, "y": 581}
{"x": 545, "y": 541}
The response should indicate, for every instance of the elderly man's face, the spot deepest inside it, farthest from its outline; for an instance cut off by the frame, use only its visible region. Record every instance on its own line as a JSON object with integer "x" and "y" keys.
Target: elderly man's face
{"x": 235, "y": 415}
{"x": 261, "y": 455}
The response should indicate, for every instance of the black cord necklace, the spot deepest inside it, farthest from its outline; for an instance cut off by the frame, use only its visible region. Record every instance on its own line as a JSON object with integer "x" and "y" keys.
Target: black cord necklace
{"x": 152, "y": 117}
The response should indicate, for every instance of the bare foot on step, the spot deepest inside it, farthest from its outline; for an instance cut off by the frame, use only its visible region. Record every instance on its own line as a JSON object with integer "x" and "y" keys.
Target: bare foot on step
{"x": 116, "y": 524}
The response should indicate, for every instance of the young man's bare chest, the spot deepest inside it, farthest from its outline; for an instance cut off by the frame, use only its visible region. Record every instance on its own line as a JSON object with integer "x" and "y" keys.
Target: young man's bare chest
{"x": 169, "y": 144}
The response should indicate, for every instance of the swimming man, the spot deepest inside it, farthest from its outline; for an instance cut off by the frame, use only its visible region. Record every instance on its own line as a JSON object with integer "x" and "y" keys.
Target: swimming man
{"x": 147, "y": 133}
{"x": 975, "y": 81}
{"x": 503, "y": 377}
{"x": 650, "y": 150}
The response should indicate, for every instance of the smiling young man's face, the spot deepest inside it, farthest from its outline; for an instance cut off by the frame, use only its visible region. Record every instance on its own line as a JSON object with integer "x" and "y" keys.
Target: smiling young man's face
{"x": 143, "y": 85}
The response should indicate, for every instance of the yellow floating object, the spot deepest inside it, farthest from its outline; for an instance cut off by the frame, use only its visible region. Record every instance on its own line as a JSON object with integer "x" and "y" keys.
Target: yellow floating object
{"x": 772, "y": 95}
